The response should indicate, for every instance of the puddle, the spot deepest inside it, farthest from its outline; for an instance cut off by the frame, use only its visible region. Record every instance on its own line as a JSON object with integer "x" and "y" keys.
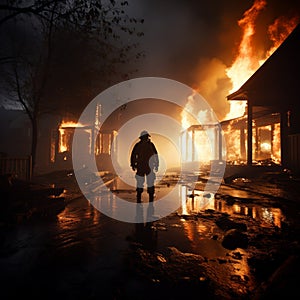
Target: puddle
{"x": 191, "y": 201}
{"x": 195, "y": 201}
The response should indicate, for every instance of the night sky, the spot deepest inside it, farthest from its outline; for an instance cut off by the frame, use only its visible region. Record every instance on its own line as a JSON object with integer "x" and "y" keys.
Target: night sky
{"x": 193, "y": 42}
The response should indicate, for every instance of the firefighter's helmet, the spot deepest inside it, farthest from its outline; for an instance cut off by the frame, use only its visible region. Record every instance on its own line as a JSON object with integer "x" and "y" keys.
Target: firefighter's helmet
{"x": 144, "y": 134}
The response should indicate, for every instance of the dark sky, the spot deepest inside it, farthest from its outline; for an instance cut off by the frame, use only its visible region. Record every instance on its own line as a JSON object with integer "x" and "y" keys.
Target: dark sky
{"x": 195, "y": 41}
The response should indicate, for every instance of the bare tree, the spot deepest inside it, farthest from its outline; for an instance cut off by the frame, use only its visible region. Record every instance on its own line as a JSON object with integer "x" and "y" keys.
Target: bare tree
{"x": 38, "y": 60}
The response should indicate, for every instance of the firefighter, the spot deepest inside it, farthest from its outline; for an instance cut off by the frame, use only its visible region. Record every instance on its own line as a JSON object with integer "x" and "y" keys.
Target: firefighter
{"x": 144, "y": 160}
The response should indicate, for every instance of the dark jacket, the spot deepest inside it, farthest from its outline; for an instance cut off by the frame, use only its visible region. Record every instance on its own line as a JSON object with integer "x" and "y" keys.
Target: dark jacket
{"x": 144, "y": 157}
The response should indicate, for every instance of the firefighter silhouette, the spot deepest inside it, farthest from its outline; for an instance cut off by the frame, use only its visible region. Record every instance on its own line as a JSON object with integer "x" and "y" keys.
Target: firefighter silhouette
{"x": 144, "y": 160}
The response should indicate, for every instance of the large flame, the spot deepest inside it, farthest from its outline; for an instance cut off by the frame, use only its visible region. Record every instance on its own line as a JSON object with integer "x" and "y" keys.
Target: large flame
{"x": 247, "y": 61}
{"x": 243, "y": 67}
{"x": 278, "y": 31}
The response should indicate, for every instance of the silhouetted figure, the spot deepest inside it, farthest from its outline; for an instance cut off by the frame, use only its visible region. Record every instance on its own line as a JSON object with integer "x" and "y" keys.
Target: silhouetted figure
{"x": 144, "y": 160}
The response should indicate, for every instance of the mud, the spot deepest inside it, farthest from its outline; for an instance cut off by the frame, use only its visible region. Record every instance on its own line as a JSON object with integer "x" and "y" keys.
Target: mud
{"x": 241, "y": 243}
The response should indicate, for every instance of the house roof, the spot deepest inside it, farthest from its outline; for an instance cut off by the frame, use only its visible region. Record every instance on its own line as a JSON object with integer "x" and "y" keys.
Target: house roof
{"x": 277, "y": 82}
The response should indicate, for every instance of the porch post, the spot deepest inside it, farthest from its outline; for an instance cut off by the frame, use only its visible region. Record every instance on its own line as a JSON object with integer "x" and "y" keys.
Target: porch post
{"x": 284, "y": 123}
{"x": 249, "y": 135}
{"x": 242, "y": 143}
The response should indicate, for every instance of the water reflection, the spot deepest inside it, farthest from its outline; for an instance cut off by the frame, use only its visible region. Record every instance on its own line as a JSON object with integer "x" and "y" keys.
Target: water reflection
{"x": 195, "y": 201}
{"x": 145, "y": 233}
{"x": 105, "y": 201}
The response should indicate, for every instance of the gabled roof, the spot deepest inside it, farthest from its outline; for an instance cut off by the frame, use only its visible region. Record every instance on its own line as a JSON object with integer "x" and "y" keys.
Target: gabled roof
{"x": 277, "y": 82}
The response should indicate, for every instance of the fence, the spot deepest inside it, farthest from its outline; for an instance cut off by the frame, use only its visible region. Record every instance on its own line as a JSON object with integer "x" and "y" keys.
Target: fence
{"x": 21, "y": 167}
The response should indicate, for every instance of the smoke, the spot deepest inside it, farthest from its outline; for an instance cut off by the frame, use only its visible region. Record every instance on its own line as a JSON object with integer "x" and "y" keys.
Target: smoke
{"x": 186, "y": 43}
{"x": 195, "y": 42}
{"x": 213, "y": 85}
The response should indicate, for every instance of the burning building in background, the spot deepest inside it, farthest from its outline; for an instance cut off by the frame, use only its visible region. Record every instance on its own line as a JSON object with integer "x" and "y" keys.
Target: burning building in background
{"x": 264, "y": 118}
{"x": 271, "y": 94}
{"x": 93, "y": 142}
{"x": 263, "y": 100}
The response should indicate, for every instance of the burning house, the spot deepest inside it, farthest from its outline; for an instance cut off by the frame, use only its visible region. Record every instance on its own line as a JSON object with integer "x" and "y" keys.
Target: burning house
{"x": 54, "y": 148}
{"x": 271, "y": 94}
{"x": 93, "y": 141}
{"x": 263, "y": 101}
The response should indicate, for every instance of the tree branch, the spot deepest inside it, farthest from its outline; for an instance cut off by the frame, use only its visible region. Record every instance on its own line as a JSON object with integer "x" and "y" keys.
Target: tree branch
{"x": 22, "y": 101}
{"x": 31, "y": 9}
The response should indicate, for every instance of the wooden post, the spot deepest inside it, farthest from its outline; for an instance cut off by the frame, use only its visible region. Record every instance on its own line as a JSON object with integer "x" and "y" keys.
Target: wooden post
{"x": 249, "y": 135}
{"x": 257, "y": 142}
{"x": 272, "y": 138}
{"x": 242, "y": 143}
{"x": 284, "y": 138}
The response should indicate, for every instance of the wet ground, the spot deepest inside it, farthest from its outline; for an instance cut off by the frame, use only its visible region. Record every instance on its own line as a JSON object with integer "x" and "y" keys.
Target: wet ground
{"x": 240, "y": 243}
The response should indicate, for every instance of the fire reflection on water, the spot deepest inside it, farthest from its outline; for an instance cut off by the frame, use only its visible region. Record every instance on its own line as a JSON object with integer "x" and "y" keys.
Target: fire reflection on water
{"x": 77, "y": 223}
{"x": 200, "y": 232}
{"x": 195, "y": 201}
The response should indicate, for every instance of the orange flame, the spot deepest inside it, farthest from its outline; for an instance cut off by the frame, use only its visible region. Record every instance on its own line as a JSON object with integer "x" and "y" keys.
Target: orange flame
{"x": 233, "y": 142}
{"x": 65, "y": 136}
{"x": 186, "y": 118}
{"x": 243, "y": 67}
{"x": 276, "y": 153}
{"x": 65, "y": 124}
{"x": 245, "y": 63}
{"x": 192, "y": 137}
{"x": 278, "y": 31}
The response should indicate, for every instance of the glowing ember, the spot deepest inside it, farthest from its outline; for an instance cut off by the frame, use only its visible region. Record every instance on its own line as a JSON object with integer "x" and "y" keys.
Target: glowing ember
{"x": 265, "y": 147}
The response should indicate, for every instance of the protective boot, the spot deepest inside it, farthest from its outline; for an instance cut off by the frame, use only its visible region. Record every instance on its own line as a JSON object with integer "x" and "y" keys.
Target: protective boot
{"x": 150, "y": 191}
{"x": 139, "y": 192}
{"x": 151, "y": 197}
